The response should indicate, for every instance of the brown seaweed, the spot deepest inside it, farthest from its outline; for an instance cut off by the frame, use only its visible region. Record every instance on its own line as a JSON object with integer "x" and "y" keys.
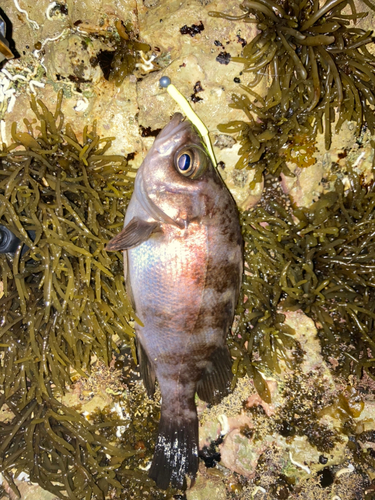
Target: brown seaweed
{"x": 126, "y": 55}
{"x": 319, "y": 259}
{"x": 59, "y": 451}
{"x": 63, "y": 303}
{"x": 328, "y": 74}
{"x": 63, "y": 297}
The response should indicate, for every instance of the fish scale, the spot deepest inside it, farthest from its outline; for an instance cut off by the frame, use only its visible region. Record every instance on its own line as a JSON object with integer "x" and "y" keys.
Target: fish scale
{"x": 161, "y": 290}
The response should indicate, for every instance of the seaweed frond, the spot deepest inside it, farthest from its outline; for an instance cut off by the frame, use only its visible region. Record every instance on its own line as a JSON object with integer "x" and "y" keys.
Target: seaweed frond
{"x": 320, "y": 260}
{"x": 320, "y": 71}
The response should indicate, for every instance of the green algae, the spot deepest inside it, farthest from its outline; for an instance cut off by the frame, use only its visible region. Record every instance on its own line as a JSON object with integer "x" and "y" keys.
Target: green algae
{"x": 320, "y": 71}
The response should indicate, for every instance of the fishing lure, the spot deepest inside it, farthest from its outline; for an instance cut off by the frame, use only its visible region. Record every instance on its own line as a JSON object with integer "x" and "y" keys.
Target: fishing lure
{"x": 165, "y": 82}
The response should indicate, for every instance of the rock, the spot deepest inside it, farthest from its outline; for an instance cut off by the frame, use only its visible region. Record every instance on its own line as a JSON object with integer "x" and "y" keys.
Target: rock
{"x": 238, "y": 181}
{"x": 88, "y": 12}
{"x": 306, "y": 334}
{"x": 28, "y": 490}
{"x": 209, "y": 485}
{"x": 239, "y": 454}
{"x": 71, "y": 58}
{"x": 65, "y": 42}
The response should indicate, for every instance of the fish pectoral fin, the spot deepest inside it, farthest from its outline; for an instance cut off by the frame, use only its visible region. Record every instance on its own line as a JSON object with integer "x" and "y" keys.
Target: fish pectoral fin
{"x": 146, "y": 370}
{"x": 133, "y": 234}
{"x": 215, "y": 382}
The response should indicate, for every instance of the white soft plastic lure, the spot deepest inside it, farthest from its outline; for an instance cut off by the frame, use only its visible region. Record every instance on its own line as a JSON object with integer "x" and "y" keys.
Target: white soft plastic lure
{"x": 165, "y": 82}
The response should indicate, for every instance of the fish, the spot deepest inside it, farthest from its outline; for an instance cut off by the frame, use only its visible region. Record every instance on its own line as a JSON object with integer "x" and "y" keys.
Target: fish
{"x": 183, "y": 260}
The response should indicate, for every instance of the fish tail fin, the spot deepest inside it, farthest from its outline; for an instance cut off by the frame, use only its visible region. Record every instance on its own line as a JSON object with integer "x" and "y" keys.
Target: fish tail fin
{"x": 176, "y": 450}
{"x": 216, "y": 380}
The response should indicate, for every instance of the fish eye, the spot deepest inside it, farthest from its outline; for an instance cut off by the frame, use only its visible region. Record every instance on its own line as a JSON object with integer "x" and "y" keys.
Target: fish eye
{"x": 191, "y": 161}
{"x": 184, "y": 162}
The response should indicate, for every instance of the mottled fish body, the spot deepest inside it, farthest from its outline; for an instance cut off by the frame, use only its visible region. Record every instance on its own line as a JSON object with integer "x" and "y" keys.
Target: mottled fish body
{"x": 183, "y": 254}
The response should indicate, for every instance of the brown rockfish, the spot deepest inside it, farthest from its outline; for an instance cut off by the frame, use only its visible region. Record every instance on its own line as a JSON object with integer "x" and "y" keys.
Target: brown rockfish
{"x": 183, "y": 264}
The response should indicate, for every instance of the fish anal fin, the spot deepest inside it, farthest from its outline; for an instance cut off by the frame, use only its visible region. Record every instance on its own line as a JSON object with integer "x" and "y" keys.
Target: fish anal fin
{"x": 216, "y": 380}
{"x": 146, "y": 370}
{"x": 133, "y": 234}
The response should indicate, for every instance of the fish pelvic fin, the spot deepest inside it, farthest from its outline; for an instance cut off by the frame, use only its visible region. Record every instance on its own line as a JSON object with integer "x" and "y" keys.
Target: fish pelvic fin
{"x": 176, "y": 450}
{"x": 133, "y": 234}
{"x": 216, "y": 380}
{"x": 146, "y": 370}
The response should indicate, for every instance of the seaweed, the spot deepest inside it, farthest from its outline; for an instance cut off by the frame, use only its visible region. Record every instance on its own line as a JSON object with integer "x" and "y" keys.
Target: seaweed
{"x": 260, "y": 338}
{"x": 320, "y": 260}
{"x": 125, "y": 56}
{"x": 63, "y": 301}
{"x": 139, "y": 431}
{"x": 327, "y": 75}
{"x": 59, "y": 450}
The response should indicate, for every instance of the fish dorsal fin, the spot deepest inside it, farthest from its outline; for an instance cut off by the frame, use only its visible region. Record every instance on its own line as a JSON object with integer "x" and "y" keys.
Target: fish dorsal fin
{"x": 133, "y": 234}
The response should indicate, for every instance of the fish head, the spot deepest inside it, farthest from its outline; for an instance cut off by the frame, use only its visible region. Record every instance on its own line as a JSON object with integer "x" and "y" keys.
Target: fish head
{"x": 176, "y": 181}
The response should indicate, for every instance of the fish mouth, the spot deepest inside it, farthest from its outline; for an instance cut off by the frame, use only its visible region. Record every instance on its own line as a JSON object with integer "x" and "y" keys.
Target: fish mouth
{"x": 172, "y": 132}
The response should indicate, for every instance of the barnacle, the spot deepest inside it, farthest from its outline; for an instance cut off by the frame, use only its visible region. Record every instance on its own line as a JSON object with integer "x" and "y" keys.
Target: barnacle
{"x": 319, "y": 259}
{"x": 299, "y": 415}
{"x": 319, "y": 68}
